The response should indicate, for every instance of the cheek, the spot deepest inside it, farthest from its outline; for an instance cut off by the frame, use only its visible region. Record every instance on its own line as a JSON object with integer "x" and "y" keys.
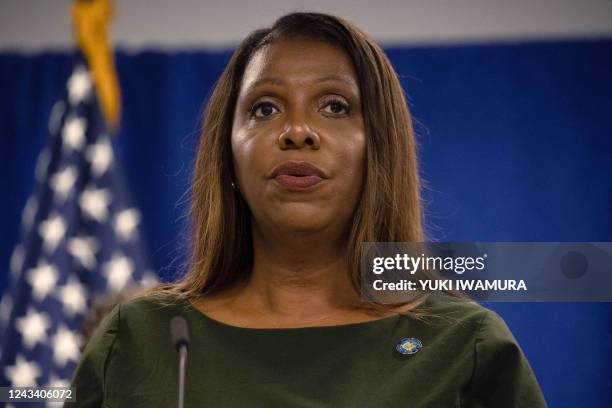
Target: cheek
{"x": 244, "y": 151}
{"x": 352, "y": 156}
{"x": 358, "y": 149}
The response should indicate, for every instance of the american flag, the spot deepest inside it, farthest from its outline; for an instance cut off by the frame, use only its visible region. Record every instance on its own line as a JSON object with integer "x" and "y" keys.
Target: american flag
{"x": 80, "y": 239}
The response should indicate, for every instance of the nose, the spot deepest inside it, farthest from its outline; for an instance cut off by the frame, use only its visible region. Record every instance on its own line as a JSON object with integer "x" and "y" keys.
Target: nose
{"x": 298, "y": 134}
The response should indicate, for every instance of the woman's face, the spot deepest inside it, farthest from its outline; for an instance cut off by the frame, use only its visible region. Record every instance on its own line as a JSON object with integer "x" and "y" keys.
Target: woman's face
{"x": 299, "y": 104}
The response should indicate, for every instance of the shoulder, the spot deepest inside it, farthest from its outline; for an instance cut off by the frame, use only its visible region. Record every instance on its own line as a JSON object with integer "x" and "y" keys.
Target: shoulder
{"x": 444, "y": 310}
{"x": 130, "y": 321}
{"x": 482, "y": 326}
{"x": 459, "y": 326}
{"x": 485, "y": 325}
{"x": 150, "y": 308}
{"x": 134, "y": 330}
{"x": 141, "y": 319}
{"x": 500, "y": 373}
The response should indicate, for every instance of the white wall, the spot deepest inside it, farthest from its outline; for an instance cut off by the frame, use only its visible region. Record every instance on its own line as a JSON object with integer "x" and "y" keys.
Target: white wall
{"x": 44, "y": 24}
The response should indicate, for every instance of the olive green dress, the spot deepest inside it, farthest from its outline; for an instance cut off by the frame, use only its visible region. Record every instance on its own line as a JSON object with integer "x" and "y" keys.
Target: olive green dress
{"x": 468, "y": 358}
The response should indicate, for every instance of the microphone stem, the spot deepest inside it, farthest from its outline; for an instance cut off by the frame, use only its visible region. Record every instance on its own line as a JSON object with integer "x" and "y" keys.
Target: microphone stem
{"x": 182, "y": 364}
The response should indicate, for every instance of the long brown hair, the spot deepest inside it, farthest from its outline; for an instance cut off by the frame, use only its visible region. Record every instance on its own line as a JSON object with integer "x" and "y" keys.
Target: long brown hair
{"x": 389, "y": 209}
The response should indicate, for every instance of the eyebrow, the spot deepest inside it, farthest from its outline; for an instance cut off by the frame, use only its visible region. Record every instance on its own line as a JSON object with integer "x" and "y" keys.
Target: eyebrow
{"x": 277, "y": 81}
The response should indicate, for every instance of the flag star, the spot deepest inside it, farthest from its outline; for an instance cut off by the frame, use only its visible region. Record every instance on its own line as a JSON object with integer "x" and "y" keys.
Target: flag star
{"x": 73, "y": 134}
{"x": 33, "y": 328}
{"x": 29, "y": 212}
{"x": 55, "y": 382}
{"x": 65, "y": 346}
{"x": 79, "y": 85}
{"x": 72, "y": 296}
{"x": 43, "y": 279}
{"x": 126, "y": 222}
{"x": 100, "y": 155}
{"x": 118, "y": 271}
{"x": 63, "y": 181}
{"x": 23, "y": 373}
{"x": 149, "y": 279}
{"x": 52, "y": 232}
{"x": 94, "y": 203}
{"x": 17, "y": 260}
{"x": 83, "y": 249}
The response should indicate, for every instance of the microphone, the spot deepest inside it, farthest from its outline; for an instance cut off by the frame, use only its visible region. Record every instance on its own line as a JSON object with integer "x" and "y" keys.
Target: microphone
{"x": 180, "y": 339}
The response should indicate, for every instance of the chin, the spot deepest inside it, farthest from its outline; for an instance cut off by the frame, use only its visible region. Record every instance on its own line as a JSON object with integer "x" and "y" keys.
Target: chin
{"x": 305, "y": 225}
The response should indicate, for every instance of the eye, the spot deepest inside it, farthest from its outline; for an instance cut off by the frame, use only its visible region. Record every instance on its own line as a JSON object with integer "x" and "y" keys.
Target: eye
{"x": 336, "y": 106}
{"x": 263, "y": 110}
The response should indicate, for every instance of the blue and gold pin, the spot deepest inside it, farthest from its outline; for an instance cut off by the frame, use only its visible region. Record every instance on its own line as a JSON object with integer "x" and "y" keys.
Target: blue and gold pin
{"x": 409, "y": 346}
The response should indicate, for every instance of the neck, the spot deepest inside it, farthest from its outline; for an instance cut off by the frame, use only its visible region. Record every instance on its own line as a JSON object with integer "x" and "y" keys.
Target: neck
{"x": 299, "y": 276}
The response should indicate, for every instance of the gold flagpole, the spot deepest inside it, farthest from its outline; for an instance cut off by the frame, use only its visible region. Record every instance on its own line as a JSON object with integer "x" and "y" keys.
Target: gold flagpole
{"x": 90, "y": 19}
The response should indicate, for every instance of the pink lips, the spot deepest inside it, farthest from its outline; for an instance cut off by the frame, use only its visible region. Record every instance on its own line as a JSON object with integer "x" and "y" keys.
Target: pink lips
{"x": 298, "y": 175}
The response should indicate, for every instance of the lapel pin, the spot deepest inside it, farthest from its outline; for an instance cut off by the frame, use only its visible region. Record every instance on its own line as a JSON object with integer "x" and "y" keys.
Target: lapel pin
{"x": 409, "y": 346}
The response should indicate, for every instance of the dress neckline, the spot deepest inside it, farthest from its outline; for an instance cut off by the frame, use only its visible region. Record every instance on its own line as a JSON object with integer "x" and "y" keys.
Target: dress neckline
{"x": 369, "y": 324}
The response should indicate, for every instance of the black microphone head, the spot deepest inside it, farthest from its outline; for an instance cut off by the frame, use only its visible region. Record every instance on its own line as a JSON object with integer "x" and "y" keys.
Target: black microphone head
{"x": 179, "y": 332}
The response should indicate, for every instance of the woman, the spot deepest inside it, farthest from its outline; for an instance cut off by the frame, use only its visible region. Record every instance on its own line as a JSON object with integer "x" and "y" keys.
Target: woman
{"x": 307, "y": 151}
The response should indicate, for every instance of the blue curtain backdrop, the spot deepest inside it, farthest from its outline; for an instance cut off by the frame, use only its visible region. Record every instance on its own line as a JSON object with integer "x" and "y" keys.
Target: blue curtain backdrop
{"x": 515, "y": 145}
